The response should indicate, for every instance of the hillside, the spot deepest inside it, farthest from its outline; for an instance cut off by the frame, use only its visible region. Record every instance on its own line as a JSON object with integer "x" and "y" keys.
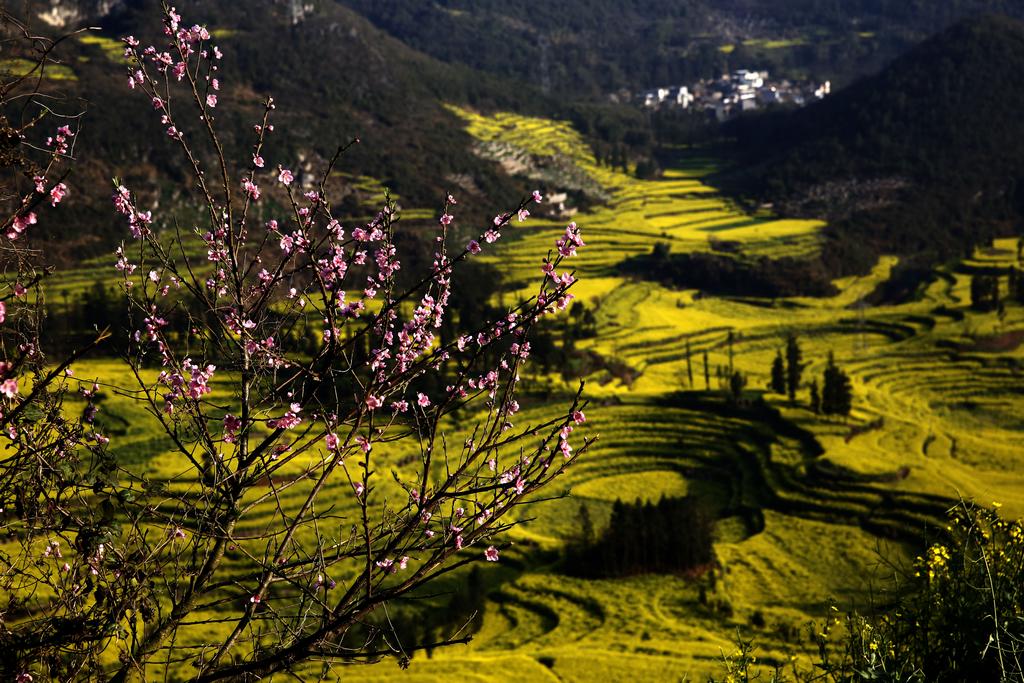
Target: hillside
{"x": 926, "y": 158}
{"x": 349, "y": 80}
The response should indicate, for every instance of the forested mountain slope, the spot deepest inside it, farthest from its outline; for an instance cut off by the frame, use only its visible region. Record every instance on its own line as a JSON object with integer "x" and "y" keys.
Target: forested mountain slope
{"x": 595, "y": 47}
{"x": 924, "y": 159}
{"x": 333, "y": 76}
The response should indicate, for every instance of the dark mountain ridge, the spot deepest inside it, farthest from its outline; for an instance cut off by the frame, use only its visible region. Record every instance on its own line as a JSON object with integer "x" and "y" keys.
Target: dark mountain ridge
{"x": 925, "y": 159}
{"x": 593, "y": 47}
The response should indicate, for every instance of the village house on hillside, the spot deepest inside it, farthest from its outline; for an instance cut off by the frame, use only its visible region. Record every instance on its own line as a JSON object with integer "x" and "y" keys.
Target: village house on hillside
{"x": 557, "y": 207}
{"x": 732, "y": 94}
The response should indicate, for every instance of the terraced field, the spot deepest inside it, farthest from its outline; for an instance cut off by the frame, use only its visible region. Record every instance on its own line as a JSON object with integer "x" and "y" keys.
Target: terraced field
{"x": 680, "y": 209}
{"x": 807, "y": 508}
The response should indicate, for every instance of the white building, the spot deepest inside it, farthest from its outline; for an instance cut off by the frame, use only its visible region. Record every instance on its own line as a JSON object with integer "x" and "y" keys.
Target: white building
{"x": 753, "y": 79}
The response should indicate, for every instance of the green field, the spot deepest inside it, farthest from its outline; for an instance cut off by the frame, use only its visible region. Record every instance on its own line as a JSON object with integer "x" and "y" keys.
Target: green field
{"x": 804, "y": 504}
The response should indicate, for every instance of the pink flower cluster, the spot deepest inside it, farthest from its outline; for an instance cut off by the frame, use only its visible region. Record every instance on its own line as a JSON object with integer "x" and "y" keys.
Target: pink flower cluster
{"x": 288, "y": 420}
{"x": 231, "y": 426}
{"x": 138, "y": 221}
{"x": 60, "y": 141}
{"x": 568, "y": 243}
{"x": 193, "y": 381}
{"x": 20, "y": 224}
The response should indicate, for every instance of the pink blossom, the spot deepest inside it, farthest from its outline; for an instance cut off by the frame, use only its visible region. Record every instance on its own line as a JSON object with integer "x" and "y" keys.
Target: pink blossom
{"x": 523, "y": 215}
{"x": 446, "y": 219}
{"x": 491, "y": 554}
{"x": 473, "y": 247}
{"x": 373, "y": 402}
{"x": 331, "y": 441}
{"x": 492, "y": 236}
{"x": 251, "y": 189}
{"x": 257, "y": 161}
{"x": 57, "y": 193}
{"x": 537, "y": 197}
{"x": 231, "y": 426}
{"x": 3, "y": 312}
{"x": 422, "y": 400}
{"x": 286, "y": 421}
{"x": 285, "y": 177}
{"x": 20, "y": 224}
{"x": 568, "y": 242}
{"x": 364, "y": 443}
{"x": 578, "y": 417}
{"x": 9, "y": 388}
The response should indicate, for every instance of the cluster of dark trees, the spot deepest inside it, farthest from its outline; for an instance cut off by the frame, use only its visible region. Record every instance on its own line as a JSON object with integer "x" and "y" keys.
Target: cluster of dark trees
{"x": 834, "y": 398}
{"x": 986, "y": 294}
{"x": 836, "y": 393}
{"x": 1015, "y": 281}
{"x": 727, "y": 275}
{"x": 673, "y": 535}
{"x": 785, "y": 375}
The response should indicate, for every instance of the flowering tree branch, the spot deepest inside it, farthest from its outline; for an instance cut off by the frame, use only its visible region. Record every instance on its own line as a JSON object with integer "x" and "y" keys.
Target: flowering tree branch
{"x": 281, "y": 527}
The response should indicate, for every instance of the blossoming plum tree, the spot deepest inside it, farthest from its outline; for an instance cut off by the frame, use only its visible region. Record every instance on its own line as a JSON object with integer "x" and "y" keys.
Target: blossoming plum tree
{"x": 278, "y": 540}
